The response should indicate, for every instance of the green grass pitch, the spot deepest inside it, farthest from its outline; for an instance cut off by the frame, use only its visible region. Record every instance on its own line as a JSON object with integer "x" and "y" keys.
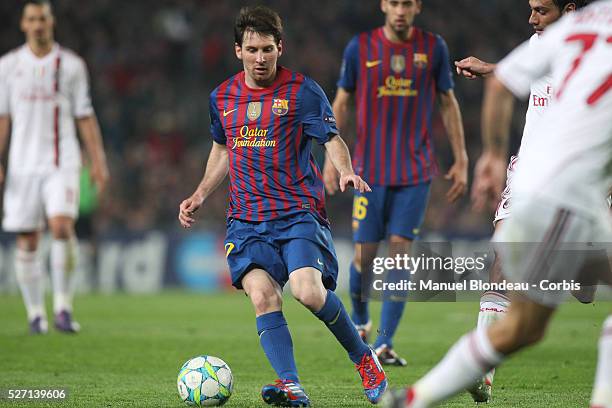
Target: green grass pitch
{"x": 131, "y": 348}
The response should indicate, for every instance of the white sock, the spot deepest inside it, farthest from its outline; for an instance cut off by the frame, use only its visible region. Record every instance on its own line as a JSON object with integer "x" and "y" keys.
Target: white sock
{"x": 602, "y": 389}
{"x": 467, "y": 361}
{"x": 493, "y": 306}
{"x": 63, "y": 262}
{"x": 31, "y": 282}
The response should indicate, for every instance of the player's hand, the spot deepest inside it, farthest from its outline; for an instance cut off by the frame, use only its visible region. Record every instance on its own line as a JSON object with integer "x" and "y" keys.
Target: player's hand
{"x": 489, "y": 179}
{"x": 472, "y": 68}
{"x": 458, "y": 173}
{"x": 187, "y": 208}
{"x": 330, "y": 177}
{"x": 99, "y": 175}
{"x": 355, "y": 181}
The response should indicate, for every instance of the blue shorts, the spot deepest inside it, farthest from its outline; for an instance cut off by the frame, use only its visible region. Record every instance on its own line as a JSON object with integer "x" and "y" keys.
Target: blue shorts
{"x": 389, "y": 211}
{"x": 279, "y": 247}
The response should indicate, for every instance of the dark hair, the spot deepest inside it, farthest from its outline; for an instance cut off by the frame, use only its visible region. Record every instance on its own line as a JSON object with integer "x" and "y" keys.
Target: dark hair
{"x": 562, "y": 3}
{"x": 259, "y": 19}
{"x": 37, "y": 3}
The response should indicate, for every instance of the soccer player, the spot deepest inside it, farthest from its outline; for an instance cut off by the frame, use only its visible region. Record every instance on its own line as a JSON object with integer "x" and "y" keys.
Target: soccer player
{"x": 43, "y": 90}
{"x": 487, "y": 182}
{"x": 395, "y": 72}
{"x": 263, "y": 122}
{"x": 560, "y": 177}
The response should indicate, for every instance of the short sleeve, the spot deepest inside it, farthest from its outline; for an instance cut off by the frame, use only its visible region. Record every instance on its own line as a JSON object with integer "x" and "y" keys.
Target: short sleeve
{"x": 350, "y": 66}
{"x": 4, "y": 91}
{"x": 443, "y": 72}
{"x": 316, "y": 113}
{"x": 81, "y": 99}
{"x": 216, "y": 129}
{"x": 527, "y": 63}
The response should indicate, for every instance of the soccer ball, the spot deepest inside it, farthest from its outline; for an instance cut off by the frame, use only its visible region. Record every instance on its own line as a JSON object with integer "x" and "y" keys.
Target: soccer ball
{"x": 205, "y": 381}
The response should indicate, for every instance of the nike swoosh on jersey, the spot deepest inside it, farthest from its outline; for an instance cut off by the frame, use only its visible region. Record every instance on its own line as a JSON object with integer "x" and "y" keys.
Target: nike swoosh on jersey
{"x": 228, "y": 112}
{"x": 370, "y": 64}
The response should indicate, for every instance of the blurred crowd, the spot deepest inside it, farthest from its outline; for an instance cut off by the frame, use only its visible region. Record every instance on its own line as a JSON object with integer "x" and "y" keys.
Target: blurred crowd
{"x": 153, "y": 64}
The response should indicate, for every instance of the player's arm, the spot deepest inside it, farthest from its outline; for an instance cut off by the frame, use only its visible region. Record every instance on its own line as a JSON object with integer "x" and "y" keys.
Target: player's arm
{"x": 472, "y": 68}
{"x": 5, "y": 125}
{"x": 338, "y": 154}
{"x": 453, "y": 123}
{"x": 217, "y": 168}
{"x": 490, "y": 170}
{"x": 340, "y": 106}
{"x": 90, "y": 134}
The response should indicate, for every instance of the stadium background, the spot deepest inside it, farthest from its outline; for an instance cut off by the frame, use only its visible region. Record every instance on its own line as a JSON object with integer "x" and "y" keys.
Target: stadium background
{"x": 152, "y": 66}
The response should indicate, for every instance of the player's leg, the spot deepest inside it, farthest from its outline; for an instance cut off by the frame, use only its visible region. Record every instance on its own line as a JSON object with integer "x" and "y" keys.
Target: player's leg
{"x": 63, "y": 259}
{"x": 256, "y": 266}
{"x": 476, "y": 353}
{"x": 266, "y": 296}
{"x": 61, "y": 197}
{"x": 365, "y": 253}
{"x": 405, "y": 209}
{"x": 602, "y": 388}
{"x": 368, "y": 231}
{"x": 307, "y": 287}
{"x": 31, "y": 280}
{"x": 493, "y": 306}
{"x": 392, "y": 308}
{"x": 23, "y": 214}
{"x": 308, "y": 251}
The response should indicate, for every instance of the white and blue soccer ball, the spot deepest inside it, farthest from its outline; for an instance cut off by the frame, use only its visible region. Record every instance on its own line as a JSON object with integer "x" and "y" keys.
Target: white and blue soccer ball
{"x": 205, "y": 381}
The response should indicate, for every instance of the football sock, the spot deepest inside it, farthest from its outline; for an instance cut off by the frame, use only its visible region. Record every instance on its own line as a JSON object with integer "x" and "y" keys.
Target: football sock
{"x": 31, "y": 282}
{"x": 339, "y": 323}
{"x": 390, "y": 317}
{"x": 392, "y": 310}
{"x": 493, "y": 306}
{"x": 602, "y": 389}
{"x": 360, "y": 313}
{"x": 63, "y": 262}
{"x": 276, "y": 342}
{"x": 469, "y": 359}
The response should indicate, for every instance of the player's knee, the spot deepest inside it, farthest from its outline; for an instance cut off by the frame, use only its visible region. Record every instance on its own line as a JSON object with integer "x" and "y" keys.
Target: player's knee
{"x": 310, "y": 296}
{"x": 61, "y": 227}
{"x": 27, "y": 242}
{"x": 265, "y": 300}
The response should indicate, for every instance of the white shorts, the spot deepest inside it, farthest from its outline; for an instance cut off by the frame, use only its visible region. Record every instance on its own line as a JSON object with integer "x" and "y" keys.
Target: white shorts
{"x": 29, "y": 199}
{"x": 544, "y": 243}
{"x": 503, "y": 208}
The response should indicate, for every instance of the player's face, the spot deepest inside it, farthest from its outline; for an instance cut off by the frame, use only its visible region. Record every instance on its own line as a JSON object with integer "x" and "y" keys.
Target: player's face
{"x": 543, "y": 13}
{"x": 259, "y": 54}
{"x": 37, "y": 23}
{"x": 400, "y": 13}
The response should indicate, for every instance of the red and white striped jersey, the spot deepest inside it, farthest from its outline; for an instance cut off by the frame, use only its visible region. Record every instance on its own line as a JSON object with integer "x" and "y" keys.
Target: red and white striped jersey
{"x": 43, "y": 96}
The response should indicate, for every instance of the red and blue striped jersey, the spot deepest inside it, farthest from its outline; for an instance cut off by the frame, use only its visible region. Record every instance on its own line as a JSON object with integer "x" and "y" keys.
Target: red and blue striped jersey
{"x": 268, "y": 134}
{"x": 395, "y": 87}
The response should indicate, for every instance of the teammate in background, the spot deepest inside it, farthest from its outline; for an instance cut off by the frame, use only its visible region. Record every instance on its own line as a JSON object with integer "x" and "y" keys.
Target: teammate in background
{"x": 263, "y": 122}
{"x": 560, "y": 177}
{"x": 491, "y": 165}
{"x": 43, "y": 90}
{"x": 395, "y": 72}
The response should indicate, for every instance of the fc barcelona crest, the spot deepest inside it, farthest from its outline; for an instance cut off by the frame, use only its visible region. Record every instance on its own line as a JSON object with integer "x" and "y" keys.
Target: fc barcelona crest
{"x": 398, "y": 63}
{"x": 280, "y": 107}
{"x": 420, "y": 60}
{"x": 254, "y": 110}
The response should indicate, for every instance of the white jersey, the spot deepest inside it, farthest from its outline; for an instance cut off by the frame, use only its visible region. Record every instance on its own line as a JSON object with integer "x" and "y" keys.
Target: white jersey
{"x": 571, "y": 145}
{"x": 43, "y": 96}
{"x": 539, "y": 99}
